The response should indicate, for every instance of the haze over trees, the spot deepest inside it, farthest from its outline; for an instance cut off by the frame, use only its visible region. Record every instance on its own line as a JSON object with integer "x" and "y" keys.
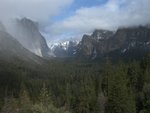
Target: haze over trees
{"x": 76, "y": 87}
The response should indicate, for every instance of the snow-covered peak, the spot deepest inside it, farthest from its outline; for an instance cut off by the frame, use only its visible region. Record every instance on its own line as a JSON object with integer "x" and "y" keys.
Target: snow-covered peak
{"x": 66, "y": 48}
{"x": 64, "y": 45}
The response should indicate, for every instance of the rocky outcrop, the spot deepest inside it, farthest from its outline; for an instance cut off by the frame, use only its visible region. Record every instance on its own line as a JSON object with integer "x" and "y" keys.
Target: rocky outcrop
{"x": 65, "y": 49}
{"x": 103, "y": 42}
{"x": 27, "y": 33}
{"x": 93, "y": 45}
{"x": 11, "y": 49}
{"x": 87, "y": 46}
{"x": 101, "y": 34}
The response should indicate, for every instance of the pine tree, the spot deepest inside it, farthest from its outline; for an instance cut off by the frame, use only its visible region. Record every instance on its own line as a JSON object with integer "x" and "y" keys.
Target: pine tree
{"x": 45, "y": 98}
{"x": 120, "y": 98}
{"x": 10, "y": 106}
{"x": 146, "y": 99}
{"x": 25, "y": 102}
{"x": 45, "y": 105}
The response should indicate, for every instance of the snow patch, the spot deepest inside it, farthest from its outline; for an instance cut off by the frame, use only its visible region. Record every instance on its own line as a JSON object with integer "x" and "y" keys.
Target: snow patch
{"x": 147, "y": 43}
{"x": 124, "y": 50}
{"x": 37, "y": 52}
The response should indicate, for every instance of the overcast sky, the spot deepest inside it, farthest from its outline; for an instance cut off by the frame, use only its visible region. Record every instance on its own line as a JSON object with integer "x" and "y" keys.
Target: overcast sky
{"x": 72, "y": 18}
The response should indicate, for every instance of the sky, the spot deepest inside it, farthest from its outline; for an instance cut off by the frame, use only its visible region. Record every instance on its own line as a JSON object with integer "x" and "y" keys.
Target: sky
{"x": 65, "y": 19}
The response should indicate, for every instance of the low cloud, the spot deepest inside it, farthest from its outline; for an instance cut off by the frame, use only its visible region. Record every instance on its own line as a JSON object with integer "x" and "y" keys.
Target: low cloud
{"x": 38, "y": 10}
{"x": 113, "y": 14}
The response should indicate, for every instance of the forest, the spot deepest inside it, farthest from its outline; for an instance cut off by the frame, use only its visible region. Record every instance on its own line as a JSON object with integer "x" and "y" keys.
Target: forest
{"x": 68, "y": 86}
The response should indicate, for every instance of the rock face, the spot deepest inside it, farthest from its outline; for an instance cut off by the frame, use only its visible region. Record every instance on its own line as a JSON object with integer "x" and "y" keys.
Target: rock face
{"x": 129, "y": 42}
{"x": 93, "y": 45}
{"x": 10, "y": 49}
{"x": 2, "y": 28}
{"x": 72, "y": 48}
{"x": 101, "y": 34}
{"x": 65, "y": 49}
{"x": 88, "y": 45}
{"x": 123, "y": 41}
{"x": 27, "y": 33}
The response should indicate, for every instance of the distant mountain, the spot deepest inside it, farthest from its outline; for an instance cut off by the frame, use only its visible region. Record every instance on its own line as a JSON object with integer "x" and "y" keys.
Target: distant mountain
{"x": 27, "y": 33}
{"x": 64, "y": 49}
{"x": 91, "y": 46}
{"x": 125, "y": 42}
{"x": 101, "y": 34}
{"x": 11, "y": 49}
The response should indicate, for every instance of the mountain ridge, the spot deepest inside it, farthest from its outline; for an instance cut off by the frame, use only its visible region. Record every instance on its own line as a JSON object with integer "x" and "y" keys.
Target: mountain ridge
{"x": 11, "y": 49}
{"x": 27, "y": 33}
{"x": 122, "y": 40}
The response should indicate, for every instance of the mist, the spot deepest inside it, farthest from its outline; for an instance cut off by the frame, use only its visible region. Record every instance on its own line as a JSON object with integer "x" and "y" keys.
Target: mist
{"x": 37, "y": 10}
{"x": 111, "y": 15}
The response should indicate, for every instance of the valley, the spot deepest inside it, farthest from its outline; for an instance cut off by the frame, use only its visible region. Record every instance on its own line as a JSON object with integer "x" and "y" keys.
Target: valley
{"x": 105, "y": 72}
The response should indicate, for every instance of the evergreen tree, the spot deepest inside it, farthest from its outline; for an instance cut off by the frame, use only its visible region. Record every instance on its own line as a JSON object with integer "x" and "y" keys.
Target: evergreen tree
{"x": 146, "y": 99}
{"x": 25, "y": 103}
{"x": 10, "y": 106}
{"x": 45, "y": 105}
{"x": 45, "y": 98}
{"x": 120, "y": 98}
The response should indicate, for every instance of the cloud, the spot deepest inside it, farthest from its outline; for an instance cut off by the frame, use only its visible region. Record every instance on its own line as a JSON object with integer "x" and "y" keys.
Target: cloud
{"x": 113, "y": 14}
{"x": 38, "y": 10}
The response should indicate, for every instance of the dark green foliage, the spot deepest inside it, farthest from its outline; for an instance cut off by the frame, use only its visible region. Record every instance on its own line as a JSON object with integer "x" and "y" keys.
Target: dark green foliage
{"x": 45, "y": 104}
{"x": 120, "y": 98}
{"x": 75, "y": 87}
{"x": 146, "y": 98}
{"x": 135, "y": 77}
{"x": 10, "y": 105}
{"x": 136, "y": 81}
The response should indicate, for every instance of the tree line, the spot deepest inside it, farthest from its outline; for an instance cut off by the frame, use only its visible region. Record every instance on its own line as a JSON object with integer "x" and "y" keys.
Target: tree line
{"x": 76, "y": 87}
